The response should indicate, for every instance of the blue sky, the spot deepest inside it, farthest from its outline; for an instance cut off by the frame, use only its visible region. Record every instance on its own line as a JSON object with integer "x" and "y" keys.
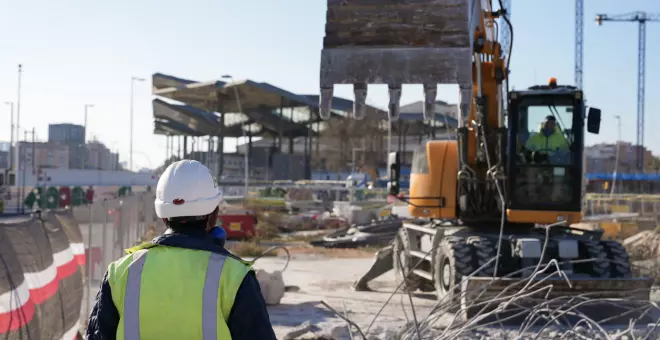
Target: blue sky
{"x": 76, "y": 52}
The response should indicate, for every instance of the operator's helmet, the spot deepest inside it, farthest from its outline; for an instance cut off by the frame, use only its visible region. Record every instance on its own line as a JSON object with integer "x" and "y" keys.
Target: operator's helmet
{"x": 186, "y": 188}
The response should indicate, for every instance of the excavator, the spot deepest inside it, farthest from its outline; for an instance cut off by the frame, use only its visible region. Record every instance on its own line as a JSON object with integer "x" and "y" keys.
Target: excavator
{"x": 505, "y": 194}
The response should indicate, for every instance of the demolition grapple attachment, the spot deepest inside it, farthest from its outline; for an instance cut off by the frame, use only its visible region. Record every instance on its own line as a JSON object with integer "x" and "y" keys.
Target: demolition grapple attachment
{"x": 396, "y": 42}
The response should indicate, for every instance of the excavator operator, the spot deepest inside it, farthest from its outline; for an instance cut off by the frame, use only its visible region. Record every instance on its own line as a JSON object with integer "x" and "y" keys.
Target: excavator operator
{"x": 549, "y": 139}
{"x": 183, "y": 284}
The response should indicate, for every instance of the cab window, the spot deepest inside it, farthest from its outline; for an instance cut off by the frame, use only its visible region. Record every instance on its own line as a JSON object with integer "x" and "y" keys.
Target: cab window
{"x": 545, "y": 134}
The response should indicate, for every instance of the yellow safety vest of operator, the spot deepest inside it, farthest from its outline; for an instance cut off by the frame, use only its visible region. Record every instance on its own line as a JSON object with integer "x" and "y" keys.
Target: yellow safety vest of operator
{"x": 166, "y": 292}
{"x": 554, "y": 142}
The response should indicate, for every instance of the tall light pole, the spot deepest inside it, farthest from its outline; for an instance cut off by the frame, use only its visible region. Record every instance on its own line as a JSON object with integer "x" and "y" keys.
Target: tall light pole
{"x": 84, "y": 158}
{"x": 246, "y": 160}
{"x": 11, "y": 143}
{"x": 130, "y": 156}
{"x": 618, "y": 151}
{"x": 18, "y": 117}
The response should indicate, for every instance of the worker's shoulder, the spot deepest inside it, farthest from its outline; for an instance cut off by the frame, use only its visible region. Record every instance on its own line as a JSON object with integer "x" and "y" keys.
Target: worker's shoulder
{"x": 236, "y": 258}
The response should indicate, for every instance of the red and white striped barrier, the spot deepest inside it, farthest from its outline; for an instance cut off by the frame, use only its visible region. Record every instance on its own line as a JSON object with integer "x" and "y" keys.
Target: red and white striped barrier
{"x": 41, "y": 284}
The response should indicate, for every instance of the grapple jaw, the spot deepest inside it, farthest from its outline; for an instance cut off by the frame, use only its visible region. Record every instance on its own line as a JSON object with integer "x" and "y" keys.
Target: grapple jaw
{"x": 396, "y": 42}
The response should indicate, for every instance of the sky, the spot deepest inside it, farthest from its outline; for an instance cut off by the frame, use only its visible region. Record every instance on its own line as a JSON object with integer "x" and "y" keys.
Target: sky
{"x": 77, "y": 52}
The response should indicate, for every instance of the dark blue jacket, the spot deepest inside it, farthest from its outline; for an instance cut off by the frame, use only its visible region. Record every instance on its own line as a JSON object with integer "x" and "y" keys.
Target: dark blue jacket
{"x": 248, "y": 318}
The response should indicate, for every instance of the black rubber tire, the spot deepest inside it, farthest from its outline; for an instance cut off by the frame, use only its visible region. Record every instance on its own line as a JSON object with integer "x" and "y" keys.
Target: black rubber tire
{"x": 454, "y": 259}
{"x": 619, "y": 259}
{"x": 484, "y": 251}
{"x": 401, "y": 251}
{"x": 600, "y": 267}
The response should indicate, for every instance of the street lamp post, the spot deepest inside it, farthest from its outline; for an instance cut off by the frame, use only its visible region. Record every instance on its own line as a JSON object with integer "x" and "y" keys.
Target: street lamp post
{"x": 246, "y": 160}
{"x": 616, "y": 157}
{"x": 12, "y": 162}
{"x": 130, "y": 156}
{"x": 18, "y": 119}
{"x": 84, "y": 158}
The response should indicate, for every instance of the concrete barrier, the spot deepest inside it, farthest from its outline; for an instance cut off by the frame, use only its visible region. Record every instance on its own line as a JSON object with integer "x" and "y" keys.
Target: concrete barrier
{"x": 41, "y": 281}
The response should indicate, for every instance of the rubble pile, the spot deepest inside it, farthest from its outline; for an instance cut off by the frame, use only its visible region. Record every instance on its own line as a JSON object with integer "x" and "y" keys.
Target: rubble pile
{"x": 644, "y": 245}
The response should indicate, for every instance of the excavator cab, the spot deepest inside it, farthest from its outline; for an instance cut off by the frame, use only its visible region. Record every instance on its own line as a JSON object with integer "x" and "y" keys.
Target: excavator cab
{"x": 545, "y": 147}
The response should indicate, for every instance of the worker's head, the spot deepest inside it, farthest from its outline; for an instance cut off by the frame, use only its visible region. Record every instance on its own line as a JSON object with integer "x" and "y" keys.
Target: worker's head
{"x": 187, "y": 196}
{"x": 549, "y": 125}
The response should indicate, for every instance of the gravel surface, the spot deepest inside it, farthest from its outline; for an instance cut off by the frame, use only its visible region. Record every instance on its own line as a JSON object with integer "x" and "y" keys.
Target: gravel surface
{"x": 317, "y": 278}
{"x": 324, "y": 279}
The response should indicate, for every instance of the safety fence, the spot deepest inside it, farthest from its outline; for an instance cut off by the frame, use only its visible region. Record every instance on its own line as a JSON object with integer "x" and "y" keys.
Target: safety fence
{"x": 54, "y": 261}
{"x": 111, "y": 225}
{"x": 623, "y": 215}
{"x": 280, "y": 195}
{"x": 643, "y": 205}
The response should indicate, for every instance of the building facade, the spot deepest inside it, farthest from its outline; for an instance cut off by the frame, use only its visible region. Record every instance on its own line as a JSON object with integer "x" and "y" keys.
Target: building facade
{"x": 66, "y": 133}
{"x": 82, "y": 155}
{"x": 73, "y": 137}
{"x": 601, "y": 158}
{"x": 42, "y": 155}
{"x": 99, "y": 157}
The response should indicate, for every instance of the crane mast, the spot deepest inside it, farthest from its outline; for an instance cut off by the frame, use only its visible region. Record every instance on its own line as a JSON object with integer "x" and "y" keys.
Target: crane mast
{"x": 579, "y": 39}
{"x": 641, "y": 18}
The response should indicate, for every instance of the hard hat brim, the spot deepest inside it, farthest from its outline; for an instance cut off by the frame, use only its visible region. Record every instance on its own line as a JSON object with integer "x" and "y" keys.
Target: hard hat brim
{"x": 199, "y": 207}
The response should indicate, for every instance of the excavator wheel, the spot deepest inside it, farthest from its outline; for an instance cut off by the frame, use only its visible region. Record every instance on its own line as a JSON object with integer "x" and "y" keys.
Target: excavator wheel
{"x": 484, "y": 251}
{"x": 594, "y": 250}
{"x": 454, "y": 259}
{"x": 619, "y": 259}
{"x": 403, "y": 262}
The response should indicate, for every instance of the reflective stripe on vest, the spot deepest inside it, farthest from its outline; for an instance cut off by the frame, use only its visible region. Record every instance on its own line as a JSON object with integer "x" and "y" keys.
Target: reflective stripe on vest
{"x": 209, "y": 295}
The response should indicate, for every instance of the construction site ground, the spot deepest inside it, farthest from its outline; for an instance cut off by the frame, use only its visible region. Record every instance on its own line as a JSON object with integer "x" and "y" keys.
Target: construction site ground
{"x": 311, "y": 278}
{"x": 318, "y": 274}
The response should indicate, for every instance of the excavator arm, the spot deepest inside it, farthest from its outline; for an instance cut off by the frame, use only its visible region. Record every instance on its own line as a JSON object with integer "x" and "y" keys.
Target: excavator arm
{"x": 433, "y": 42}
{"x": 398, "y": 42}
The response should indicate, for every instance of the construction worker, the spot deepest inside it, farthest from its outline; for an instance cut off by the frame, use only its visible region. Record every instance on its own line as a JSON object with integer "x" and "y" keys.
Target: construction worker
{"x": 184, "y": 284}
{"x": 549, "y": 139}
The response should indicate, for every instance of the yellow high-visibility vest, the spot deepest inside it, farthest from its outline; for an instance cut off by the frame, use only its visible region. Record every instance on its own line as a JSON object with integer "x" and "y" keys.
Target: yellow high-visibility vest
{"x": 164, "y": 292}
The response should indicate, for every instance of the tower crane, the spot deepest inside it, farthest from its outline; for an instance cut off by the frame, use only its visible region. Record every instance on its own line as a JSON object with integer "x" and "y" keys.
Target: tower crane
{"x": 579, "y": 38}
{"x": 641, "y": 18}
{"x": 505, "y": 38}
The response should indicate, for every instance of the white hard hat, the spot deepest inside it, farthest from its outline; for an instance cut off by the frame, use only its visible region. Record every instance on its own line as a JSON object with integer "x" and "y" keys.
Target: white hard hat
{"x": 186, "y": 188}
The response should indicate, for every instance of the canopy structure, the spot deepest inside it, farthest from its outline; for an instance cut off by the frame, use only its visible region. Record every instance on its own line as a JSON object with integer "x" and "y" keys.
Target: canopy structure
{"x": 445, "y": 115}
{"x": 411, "y": 120}
{"x": 259, "y": 103}
{"x": 200, "y": 122}
{"x": 170, "y": 128}
{"x": 220, "y": 96}
{"x": 189, "y": 108}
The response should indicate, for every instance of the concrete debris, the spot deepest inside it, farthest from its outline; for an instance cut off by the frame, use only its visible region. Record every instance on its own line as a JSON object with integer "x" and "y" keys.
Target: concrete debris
{"x": 381, "y": 333}
{"x": 272, "y": 286}
{"x": 304, "y": 328}
{"x": 647, "y": 242}
{"x": 375, "y": 233}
